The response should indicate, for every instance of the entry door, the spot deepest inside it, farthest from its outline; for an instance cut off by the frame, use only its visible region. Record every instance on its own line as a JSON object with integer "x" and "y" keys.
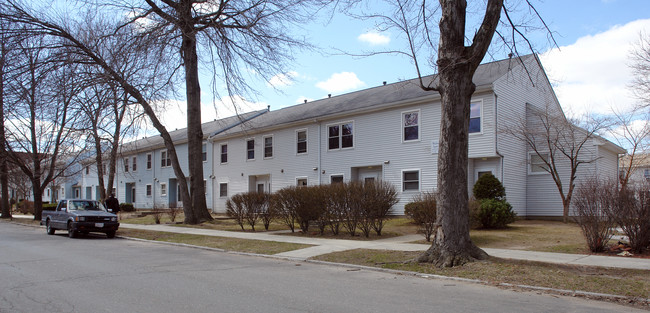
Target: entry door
{"x": 369, "y": 177}
{"x": 260, "y": 187}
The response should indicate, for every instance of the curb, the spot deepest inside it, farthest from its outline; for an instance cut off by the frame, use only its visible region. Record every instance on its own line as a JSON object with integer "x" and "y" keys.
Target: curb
{"x": 585, "y": 294}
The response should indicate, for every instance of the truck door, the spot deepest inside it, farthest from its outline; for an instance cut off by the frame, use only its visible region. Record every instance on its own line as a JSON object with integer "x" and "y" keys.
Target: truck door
{"x": 59, "y": 215}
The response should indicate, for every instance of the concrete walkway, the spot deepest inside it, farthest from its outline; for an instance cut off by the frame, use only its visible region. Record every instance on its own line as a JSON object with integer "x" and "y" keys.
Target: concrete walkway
{"x": 323, "y": 246}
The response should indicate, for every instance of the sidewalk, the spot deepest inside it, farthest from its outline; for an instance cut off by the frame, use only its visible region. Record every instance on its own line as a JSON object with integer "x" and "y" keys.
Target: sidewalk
{"x": 323, "y": 246}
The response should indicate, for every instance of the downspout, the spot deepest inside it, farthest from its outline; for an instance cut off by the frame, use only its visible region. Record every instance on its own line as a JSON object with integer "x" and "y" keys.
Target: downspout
{"x": 496, "y": 133}
{"x": 320, "y": 149}
{"x": 153, "y": 184}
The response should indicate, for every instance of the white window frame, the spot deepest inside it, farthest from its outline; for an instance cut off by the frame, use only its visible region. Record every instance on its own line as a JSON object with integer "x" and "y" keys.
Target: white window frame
{"x": 221, "y": 152}
{"x": 419, "y": 125}
{"x": 481, "y": 124}
{"x": 149, "y": 161}
{"x": 247, "y": 150}
{"x": 163, "y": 189}
{"x": 166, "y": 158}
{"x": 125, "y": 162}
{"x": 134, "y": 164}
{"x": 148, "y": 190}
{"x": 419, "y": 179}
{"x": 264, "y": 144}
{"x": 341, "y": 174}
{"x": 340, "y": 136}
{"x": 306, "y": 141}
{"x": 204, "y": 152}
{"x": 205, "y": 186}
{"x": 530, "y": 163}
{"x": 226, "y": 193}
{"x": 305, "y": 178}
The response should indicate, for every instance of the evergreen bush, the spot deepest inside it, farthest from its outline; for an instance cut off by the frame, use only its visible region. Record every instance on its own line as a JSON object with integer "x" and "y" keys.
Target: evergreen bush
{"x": 489, "y": 187}
{"x": 496, "y": 213}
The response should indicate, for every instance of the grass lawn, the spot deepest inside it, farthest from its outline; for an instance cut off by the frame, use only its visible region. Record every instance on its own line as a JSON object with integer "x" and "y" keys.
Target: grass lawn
{"x": 229, "y": 244}
{"x": 633, "y": 283}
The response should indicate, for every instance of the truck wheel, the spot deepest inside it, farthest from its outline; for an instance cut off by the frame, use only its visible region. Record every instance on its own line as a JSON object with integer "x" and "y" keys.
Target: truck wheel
{"x": 71, "y": 232}
{"x": 50, "y": 229}
{"x": 110, "y": 234}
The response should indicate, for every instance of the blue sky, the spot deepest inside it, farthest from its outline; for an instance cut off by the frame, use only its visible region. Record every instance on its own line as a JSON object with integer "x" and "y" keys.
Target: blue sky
{"x": 589, "y": 71}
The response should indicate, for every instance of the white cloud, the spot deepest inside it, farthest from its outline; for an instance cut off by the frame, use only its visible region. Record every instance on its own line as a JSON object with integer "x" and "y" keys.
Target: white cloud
{"x": 340, "y": 82}
{"x": 174, "y": 113}
{"x": 283, "y": 80}
{"x": 302, "y": 99}
{"x": 592, "y": 74}
{"x": 374, "y": 38}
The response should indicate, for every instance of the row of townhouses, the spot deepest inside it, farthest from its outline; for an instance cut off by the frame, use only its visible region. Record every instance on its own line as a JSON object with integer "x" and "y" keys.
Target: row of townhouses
{"x": 388, "y": 133}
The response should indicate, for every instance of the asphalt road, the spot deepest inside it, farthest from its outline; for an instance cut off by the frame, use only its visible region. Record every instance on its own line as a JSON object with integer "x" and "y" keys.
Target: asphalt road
{"x": 41, "y": 273}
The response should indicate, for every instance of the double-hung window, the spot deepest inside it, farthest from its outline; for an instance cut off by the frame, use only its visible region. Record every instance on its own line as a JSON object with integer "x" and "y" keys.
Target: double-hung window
{"x": 163, "y": 189}
{"x": 149, "y": 161}
{"x": 301, "y": 141}
{"x": 148, "y": 190}
{"x": 126, "y": 165}
{"x": 340, "y": 136}
{"x": 537, "y": 163}
{"x": 224, "y": 153}
{"x": 268, "y": 147}
{"x": 475, "y": 109}
{"x": 250, "y": 149}
{"x": 204, "y": 152}
{"x": 135, "y": 162}
{"x": 411, "y": 126}
{"x": 165, "y": 160}
{"x": 411, "y": 180}
{"x": 223, "y": 190}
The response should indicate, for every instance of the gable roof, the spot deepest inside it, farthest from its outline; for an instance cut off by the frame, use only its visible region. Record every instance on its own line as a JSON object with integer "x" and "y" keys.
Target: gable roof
{"x": 180, "y": 135}
{"x": 404, "y": 92}
{"x": 375, "y": 98}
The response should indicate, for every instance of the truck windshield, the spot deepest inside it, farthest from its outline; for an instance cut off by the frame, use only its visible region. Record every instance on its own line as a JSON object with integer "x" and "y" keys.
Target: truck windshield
{"x": 86, "y": 206}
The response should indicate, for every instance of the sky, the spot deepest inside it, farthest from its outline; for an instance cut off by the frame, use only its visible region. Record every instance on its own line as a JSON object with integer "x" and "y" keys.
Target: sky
{"x": 588, "y": 68}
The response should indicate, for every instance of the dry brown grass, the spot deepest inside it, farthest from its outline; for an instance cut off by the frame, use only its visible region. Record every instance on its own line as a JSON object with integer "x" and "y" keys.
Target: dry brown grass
{"x": 632, "y": 283}
{"x": 228, "y": 244}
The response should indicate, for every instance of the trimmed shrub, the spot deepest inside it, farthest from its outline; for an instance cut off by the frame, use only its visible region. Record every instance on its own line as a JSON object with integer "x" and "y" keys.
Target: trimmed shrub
{"x": 235, "y": 209}
{"x": 26, "y": 207}
{"x": 49, "y": 206}
{"x": 249, "y": 207}
{"x": 489, "y": 187}
{"x": 496, "y": 213}
{"x": 632, "y": 214}
{"x": 284, "y": 204}
{"x": 127, "y": 207}
{"x": 422, "y": 210}
{"x": 380, "y": 197}
{"x": 590, "y": 203}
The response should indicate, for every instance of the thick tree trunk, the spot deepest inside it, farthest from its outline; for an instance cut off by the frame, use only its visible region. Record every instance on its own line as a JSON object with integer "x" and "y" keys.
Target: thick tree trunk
{"x": 38, "y": 198}
{"x": 4, "y": 178}
{"x": 199, "y": 212}
{"x": 457, "y": 63}
{"x": 452, "y": 245}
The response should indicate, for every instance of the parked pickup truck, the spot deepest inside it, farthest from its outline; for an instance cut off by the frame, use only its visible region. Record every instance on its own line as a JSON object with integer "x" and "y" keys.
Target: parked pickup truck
{"x": 80, "y": 216}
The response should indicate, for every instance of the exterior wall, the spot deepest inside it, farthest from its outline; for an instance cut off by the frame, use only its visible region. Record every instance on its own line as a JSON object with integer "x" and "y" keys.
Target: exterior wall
{"x": 512, "y": 93}
{"x": 156, "y": 176}
{"x": 378, "y": 150}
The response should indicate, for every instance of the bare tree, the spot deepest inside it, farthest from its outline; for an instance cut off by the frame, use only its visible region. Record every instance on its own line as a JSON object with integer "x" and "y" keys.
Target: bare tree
{"x": 560, "y": 146}
{"x": 235, "y": 35}
{"x": 640, "y": 65}
{"x": 633, "y": 132}
{"x": 454, "y": 52}
{"x": 5, "y": 49}
{"x": 38, "y": 125}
